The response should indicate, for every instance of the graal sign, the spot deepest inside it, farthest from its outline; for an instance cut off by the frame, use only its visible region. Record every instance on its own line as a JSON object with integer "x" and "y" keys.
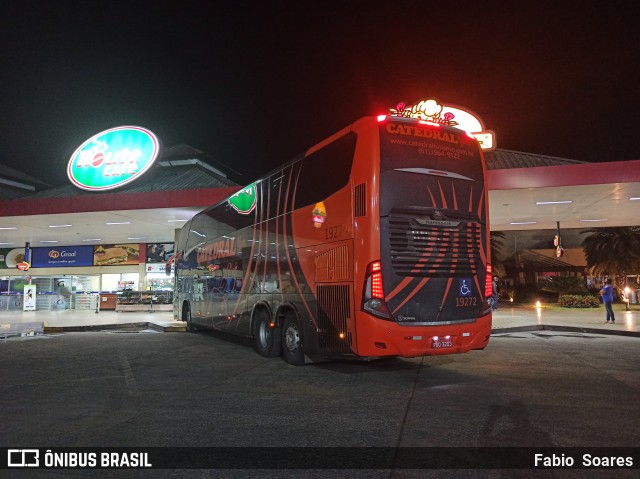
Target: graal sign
{"x": 113, "y": 158}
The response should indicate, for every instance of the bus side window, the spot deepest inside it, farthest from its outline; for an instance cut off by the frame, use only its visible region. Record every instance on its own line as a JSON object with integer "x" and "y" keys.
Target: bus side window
{"x": 270, "y": 286}
{"x": 332, "y": 164}
{"x": 287, "y": 285}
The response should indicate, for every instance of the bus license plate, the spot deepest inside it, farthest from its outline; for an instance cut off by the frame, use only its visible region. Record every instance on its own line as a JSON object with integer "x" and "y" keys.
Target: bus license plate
{"x": 441, "y": 343}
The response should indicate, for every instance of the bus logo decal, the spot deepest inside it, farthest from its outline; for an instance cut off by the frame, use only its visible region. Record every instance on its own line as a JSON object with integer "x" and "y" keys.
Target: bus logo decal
{"x": 319, "y": 214}
{"x": 245, "y": 200}
{"x": 438, "y": 214}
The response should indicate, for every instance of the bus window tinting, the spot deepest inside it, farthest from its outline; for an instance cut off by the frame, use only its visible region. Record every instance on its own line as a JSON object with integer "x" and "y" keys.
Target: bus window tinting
{"x": 326, "y": 171}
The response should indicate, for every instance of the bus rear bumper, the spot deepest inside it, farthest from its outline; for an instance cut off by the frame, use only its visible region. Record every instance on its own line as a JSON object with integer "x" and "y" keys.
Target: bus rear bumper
{"x": 385, "y": 338}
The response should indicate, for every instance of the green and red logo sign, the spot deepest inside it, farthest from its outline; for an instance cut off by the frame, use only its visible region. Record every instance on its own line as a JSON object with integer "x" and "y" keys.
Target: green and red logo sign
{"x": 113, "y": 158}
{"x": 245, "y": 200}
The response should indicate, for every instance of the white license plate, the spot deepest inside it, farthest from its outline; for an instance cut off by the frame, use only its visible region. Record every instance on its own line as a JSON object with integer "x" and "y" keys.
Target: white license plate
{"x": 442, "y": 343}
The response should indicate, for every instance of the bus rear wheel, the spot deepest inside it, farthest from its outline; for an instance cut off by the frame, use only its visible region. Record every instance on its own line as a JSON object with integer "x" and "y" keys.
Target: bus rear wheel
{"x": 266, "y": 335}
{"x": 186, "y": 317}
{"x": 291, "y": 344}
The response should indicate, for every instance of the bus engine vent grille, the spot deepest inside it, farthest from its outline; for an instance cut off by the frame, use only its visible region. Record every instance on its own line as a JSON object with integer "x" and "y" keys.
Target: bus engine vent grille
{"x": 360, "y": 200}
{"x": 333, "y": 265}
{"x": 334, "y": 308}
{"x": 428, "y": 251}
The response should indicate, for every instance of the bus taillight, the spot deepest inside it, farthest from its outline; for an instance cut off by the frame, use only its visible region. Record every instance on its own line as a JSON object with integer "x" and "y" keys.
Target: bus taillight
{"x": 382, "y": 118}
{"x": 373, "y": 301}
{"x": 488, "y": 286}
{"x": 375, "y": 273}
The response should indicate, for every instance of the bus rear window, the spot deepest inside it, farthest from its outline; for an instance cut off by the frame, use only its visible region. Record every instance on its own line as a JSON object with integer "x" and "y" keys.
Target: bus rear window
{"x": 411, "y": 145}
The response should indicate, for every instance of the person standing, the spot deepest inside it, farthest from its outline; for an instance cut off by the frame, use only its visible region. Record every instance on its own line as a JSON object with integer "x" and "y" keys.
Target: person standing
{"x": 607, "y": 298}
{"x": 494, "y": 293}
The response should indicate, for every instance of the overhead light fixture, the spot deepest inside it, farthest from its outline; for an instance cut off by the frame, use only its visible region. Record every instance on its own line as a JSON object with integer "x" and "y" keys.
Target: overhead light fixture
{"x": 136, "y": 238}
{"x": 49, "y": 241}
{"x": 14, "y": 228}
{"x": 564, "y": 202}
{"x": 59, "y": 226}
{"x": 633, "y": 198}
{"x": 11, "y": 242}
{"x": 595, "y": 220}
{"x": 523, "y": 222}
{"x": 120, "y": 223}
{"x": 175, "y": 221}
{"x": 92, "y": 239}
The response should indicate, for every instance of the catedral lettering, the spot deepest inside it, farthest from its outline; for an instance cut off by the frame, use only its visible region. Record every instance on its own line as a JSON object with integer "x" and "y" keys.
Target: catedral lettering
{"x": 217, "y": 250}
{"x": 355, "y": 249}
{"x": 398, "y": 129}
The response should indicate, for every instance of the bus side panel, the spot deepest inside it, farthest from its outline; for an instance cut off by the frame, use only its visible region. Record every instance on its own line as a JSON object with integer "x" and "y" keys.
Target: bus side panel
{"x": 366, "y": 222}
{"x": 325, "y": 253}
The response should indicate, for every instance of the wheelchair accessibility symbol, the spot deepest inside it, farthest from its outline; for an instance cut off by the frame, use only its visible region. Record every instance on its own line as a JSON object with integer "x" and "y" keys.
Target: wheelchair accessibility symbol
{"x": 464, "y": 286}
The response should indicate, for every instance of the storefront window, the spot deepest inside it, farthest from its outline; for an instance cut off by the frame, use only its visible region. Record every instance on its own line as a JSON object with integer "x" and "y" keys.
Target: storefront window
{"x": 159, "y": 282}
{"x": 52, "y": 293}
{"x": 129, "y": 282}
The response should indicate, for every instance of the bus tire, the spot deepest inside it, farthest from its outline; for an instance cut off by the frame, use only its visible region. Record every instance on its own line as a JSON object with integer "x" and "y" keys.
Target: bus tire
{"x": 186, "y": 315}
{"x": 267, "y": 337}
{"x": 291, "y": 344}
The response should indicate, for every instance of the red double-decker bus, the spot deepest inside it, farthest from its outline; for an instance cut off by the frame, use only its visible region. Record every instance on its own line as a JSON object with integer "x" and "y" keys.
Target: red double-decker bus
{"x": 374, "y": 242}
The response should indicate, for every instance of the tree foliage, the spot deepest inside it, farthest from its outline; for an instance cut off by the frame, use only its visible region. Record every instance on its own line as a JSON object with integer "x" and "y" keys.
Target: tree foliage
{"x": 612, "y": 251}
{"x": 496, "y": 245}
{"x": 563, "y": 285}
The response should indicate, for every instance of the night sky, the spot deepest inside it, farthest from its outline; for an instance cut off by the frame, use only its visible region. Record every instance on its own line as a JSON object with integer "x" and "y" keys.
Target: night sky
{"x": 255, "y": 83}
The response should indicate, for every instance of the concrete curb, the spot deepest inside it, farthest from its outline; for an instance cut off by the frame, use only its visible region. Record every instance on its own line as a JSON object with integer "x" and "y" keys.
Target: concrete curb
{"x": 569, "y": 329}
{"x": 114, "y": 327}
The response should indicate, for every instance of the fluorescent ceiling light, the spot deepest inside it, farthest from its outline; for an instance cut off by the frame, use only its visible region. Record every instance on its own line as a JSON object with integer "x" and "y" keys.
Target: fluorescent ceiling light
{"x": 633, "y": 198}
{"x": 49, "y": 241}
{"x": 136, "y": 238}
{"x": 92, "y": 239}
{"x": 523, "y": 223}
{"x": 564, "y": 202}
{"x": 600, "y": 219}
{"x": 8, "y": 243}
{"x": 175, "y": 221}
{"x": 120, "y": 223}
{"x": 14, "y": 228}
{"x": 59, "y": 226}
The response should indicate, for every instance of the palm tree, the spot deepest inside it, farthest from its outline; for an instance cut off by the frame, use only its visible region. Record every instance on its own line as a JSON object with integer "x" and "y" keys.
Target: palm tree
{"x": 613, "y": 251}
{"x": 563, "y": 285}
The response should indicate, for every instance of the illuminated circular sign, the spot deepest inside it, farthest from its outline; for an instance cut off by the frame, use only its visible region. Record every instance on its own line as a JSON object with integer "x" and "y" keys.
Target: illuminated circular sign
{"x": 23, "y": 266}
{"x": 431, "y": 110}
{"x": 113, "y": 158}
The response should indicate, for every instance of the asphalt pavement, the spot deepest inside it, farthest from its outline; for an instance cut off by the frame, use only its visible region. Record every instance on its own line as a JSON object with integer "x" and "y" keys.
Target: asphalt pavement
{"x": 506, "y": 319}
{"x": 534, "y": 389}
